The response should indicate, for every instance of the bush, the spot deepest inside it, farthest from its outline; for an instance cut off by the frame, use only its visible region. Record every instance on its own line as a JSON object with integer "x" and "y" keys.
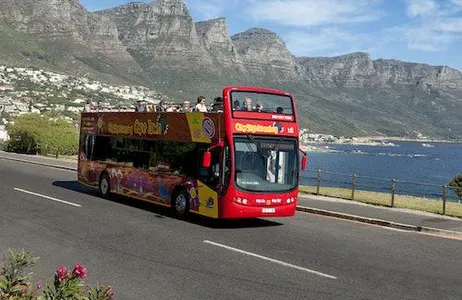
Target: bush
{"x": 37, "y": 134}
{"x": 15, "y": 282}
{"x": 456, "y": 185}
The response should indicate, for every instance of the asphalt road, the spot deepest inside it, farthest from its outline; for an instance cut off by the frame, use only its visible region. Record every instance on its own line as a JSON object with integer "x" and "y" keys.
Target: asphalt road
{"x": 146, "y": 254}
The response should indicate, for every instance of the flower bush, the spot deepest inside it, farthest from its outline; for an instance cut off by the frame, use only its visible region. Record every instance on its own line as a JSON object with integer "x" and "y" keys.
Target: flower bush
{"x": 15, "y": 282}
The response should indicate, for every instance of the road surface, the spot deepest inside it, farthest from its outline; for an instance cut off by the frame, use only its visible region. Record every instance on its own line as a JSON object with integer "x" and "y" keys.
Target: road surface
{"x": 146, "y": 254}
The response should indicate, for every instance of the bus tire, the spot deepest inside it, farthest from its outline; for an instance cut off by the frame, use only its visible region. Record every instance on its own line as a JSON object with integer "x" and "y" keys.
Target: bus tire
{"x": 180, "y": 204}
{"x": 104, "y": 185}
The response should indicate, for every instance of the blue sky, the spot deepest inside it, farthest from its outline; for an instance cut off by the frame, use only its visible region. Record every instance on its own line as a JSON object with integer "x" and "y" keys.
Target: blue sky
{"x": 426, "y": 31}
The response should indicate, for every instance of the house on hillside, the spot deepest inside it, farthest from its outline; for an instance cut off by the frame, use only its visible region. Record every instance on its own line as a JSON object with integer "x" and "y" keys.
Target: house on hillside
{"x": 6, "y": 87}
{"x": 3, "y": 133}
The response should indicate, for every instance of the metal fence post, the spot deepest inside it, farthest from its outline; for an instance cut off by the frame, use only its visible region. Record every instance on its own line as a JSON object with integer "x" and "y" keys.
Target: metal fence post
{"x": 445, "y": 197}
{"x": 319, "y": 182}
{"x": 353, "y": 186}
{"x": 393, "y": 191}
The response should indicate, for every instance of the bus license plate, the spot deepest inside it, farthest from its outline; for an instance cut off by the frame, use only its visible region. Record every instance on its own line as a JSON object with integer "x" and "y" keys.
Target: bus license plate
{"x": 268, "y": 210}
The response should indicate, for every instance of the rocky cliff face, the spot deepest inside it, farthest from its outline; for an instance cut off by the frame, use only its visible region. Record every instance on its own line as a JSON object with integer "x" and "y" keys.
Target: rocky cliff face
{"x": 158, "y": 44}
{"x": 161, "y": 33}
{"x": 265, "y": 53}
{"x": 214, "y": 37}
{"x": 359, "y": 70}
{"x": 65, "y": 20}
{"x": 51, "y": 17}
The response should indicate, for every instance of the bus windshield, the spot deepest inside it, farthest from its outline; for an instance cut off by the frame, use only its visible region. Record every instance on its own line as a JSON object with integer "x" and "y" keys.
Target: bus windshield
{"x": 261, "y": 102}
{"x": 266, "y": 164}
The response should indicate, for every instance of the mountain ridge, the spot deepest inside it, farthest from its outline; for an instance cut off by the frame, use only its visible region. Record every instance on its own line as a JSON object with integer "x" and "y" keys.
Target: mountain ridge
{"x": 159, "y": 45}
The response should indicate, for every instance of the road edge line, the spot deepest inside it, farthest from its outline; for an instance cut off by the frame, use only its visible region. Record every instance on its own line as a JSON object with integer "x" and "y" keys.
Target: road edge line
{"x": 39, "y": 163}
{"x": 374, "y": 221}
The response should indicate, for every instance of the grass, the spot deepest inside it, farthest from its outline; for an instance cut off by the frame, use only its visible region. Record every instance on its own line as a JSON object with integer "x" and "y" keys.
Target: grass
{"x": 384, "y": 199}
{"x": 63, "y": 157}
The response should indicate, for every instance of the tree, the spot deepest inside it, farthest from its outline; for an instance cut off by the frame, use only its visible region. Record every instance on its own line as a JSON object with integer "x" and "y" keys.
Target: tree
{"x": 36, "y": 134}
{"x": 456, "y": 185}
{"x": 62, "y": 138}
{"x": 27, "y": 134}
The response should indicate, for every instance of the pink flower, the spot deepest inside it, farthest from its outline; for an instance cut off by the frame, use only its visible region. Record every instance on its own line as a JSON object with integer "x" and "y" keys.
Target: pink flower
{"x": 110, "y": 292}
{"x": 63, "y": 274}
{"x": 38, "y": 286}
{"x": 79, "y": 271}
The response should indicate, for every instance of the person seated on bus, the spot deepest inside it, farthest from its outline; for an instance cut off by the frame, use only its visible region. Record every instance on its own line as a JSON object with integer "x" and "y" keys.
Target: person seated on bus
{"x": 217, "y": 104}
{"x": 236, "y": 105}
{"x": 88, "y": 106}
{"x": 279, "y": 110}
{"x": 186, "y": 106}
{"x": 200, "y": 106}
{"x": 171, "y": 108}
{"x": 161, "y": 106}
{"x": 140, "y": 106}
{"x": 259, "y": 106}
{"x": 247, "y": 104}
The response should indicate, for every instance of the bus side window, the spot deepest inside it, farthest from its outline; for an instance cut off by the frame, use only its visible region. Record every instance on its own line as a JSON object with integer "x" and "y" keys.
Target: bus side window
{"x": 226, "y": 168}
{"x": 88, "y": 145}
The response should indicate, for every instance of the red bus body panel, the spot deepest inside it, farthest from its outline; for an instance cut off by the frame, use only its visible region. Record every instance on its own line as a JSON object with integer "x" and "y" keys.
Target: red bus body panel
{"x": 209, "y": 128}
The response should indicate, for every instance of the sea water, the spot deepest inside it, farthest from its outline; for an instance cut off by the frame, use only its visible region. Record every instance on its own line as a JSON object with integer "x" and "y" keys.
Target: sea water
{"x": 420, "y": 162}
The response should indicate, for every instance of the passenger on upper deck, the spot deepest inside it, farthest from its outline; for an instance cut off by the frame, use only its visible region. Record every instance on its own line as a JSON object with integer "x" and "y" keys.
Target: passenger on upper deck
{"x": 236, "y": 105}
{"x": 247, "y": 104}
{"x": 200, "y": 106}
{"x": 88, "y": 106}
{"x": 259, "y": 106}
{"x": 186, "y": 106}
{"x": 140, "y": 106}
{"x": 217, "y": 104}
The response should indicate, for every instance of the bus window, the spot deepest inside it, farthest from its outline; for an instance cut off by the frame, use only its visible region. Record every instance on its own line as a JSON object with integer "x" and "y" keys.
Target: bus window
{"x": 88, "y": 144}
{"x": 226, "y": 176}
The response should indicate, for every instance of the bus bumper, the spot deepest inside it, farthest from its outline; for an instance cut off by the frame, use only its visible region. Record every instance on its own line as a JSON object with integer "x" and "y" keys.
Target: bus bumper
{"x": 239, "y": 211}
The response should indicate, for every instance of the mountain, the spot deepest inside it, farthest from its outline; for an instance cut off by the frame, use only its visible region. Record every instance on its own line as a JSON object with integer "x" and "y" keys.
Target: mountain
{"x": 159, "y": 45}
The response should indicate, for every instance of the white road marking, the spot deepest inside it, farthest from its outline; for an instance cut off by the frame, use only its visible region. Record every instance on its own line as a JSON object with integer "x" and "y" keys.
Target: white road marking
{"x": 271, "y": 260}
{"x": 56, "y": 167}
{"x": 47, "y": 197}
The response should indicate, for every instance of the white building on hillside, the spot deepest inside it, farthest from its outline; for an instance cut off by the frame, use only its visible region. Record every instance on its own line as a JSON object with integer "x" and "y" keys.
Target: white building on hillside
{"x": 3, "y": 134}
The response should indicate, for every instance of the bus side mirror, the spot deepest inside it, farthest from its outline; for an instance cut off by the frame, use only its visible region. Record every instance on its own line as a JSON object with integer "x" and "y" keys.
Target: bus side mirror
{"x": 206, "y": 159}
{"x": 304, "y": 162}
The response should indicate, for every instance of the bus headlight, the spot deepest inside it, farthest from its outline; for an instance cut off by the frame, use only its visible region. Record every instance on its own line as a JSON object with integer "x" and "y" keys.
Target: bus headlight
{"x": 291, "y": 200}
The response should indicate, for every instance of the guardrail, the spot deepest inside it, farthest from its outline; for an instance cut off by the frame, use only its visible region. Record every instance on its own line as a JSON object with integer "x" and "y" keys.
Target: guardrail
{"x": 394, "y": 187}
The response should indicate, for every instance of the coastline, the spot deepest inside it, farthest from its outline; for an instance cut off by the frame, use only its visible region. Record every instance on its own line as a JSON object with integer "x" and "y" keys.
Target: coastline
{"x": 323, "y": 146}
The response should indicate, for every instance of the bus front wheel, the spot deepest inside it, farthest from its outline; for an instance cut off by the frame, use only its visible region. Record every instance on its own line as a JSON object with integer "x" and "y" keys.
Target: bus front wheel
{"x": 104, "y": 186}
{"x": 180, "y": 204}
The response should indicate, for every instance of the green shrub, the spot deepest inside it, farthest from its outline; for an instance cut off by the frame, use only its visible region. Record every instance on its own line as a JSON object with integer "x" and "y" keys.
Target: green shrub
{"x": 67, "y": 285}
{"x": 456, "y": 185}
{"x": 37, "y": 134}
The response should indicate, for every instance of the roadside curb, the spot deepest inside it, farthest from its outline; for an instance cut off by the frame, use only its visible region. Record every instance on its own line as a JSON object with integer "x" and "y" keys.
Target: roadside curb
{"x": 378, "y": 222}
{"x": 39, "y": 163}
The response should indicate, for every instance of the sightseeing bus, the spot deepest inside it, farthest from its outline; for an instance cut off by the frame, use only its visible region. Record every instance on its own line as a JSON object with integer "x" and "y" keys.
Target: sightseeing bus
{"x": 242, "y": 161}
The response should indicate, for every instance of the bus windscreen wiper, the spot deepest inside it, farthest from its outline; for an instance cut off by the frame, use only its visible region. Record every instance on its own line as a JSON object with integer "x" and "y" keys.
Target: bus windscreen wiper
{"x": 276, "y": 148}
{"x": 256, "y": 145}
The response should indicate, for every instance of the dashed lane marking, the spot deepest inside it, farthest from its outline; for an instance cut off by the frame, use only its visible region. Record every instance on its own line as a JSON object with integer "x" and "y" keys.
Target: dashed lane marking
{"x": 271, "y": 260}
{"x": 47, "y": 197}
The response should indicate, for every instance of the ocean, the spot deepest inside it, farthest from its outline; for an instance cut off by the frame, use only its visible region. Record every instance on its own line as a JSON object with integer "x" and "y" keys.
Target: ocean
{"x": 429, "y": 163}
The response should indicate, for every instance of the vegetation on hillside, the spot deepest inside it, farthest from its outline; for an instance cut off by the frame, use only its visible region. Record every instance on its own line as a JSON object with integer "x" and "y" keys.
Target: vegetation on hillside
{"x": 456, "y": 185}
{"x": 41, "y": 134}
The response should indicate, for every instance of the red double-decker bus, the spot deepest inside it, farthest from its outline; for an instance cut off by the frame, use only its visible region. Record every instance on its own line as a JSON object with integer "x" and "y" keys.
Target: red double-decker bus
{"x": 242, "y": 161}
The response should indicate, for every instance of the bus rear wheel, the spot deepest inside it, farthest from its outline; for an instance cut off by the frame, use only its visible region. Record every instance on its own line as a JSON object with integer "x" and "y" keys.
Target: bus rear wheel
{"x": 104, "y": 186}
{"x": 180, "y": 204}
